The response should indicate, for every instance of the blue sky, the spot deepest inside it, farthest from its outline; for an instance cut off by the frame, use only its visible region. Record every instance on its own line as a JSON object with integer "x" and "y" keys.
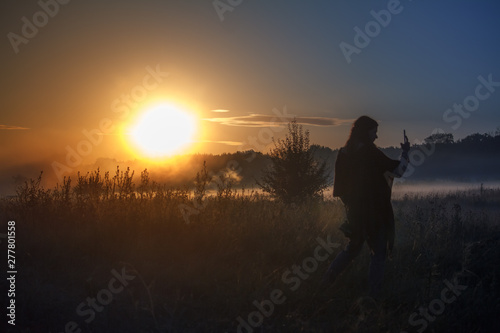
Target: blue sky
{"x": 263, "y": 55}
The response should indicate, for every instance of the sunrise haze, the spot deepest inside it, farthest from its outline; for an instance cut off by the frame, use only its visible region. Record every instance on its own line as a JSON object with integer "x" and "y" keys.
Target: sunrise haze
{"x": 78, "y": 76}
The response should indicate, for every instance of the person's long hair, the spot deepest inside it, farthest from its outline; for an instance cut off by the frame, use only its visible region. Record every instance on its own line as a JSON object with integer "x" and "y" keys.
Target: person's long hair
{"x": 359, "y": 133}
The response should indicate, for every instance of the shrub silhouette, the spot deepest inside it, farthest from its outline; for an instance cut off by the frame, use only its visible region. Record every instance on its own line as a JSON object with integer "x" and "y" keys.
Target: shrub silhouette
{"x": 294, "y": 174}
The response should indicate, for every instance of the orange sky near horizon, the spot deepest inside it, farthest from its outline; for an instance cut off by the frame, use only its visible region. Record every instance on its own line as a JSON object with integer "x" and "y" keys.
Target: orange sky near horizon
{"x": 79, "y": 80}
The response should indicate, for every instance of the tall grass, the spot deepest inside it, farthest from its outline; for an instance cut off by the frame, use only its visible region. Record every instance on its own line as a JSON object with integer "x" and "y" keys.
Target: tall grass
{"x": 200, "y": 275}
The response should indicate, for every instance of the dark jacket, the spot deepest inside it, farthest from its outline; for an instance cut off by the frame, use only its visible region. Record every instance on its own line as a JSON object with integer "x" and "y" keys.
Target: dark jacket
{"x": 363, "y": 182}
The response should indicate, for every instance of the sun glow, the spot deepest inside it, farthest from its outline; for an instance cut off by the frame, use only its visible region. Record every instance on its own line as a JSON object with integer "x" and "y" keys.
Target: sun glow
{"x": 163, "y": 131}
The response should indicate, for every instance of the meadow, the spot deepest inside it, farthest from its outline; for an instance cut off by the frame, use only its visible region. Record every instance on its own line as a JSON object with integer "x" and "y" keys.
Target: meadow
{"x": 122, "y": 253}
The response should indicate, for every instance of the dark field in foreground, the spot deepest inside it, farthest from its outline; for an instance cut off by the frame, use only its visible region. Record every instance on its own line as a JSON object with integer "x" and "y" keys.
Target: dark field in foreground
{"x": 115, "y": 258}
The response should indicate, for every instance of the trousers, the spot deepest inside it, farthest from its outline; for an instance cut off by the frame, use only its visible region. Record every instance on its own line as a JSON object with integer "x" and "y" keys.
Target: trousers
{"x": 378, "y": 247}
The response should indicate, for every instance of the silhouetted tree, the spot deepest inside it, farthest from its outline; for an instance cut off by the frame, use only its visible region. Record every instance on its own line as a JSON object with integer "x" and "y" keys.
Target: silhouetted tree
{"x": 295, "y": 174}
{"x": 476, "y": 139}
{"x": 440, "y": 138}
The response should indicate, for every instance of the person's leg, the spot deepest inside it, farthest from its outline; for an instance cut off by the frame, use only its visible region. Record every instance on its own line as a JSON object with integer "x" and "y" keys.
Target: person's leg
{"x": 378, "y": 247}
{"x": 343, "y": 259}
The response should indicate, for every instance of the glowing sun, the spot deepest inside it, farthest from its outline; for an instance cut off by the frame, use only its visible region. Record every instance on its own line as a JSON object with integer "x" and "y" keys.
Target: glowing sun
{"x": 163, "y": 131}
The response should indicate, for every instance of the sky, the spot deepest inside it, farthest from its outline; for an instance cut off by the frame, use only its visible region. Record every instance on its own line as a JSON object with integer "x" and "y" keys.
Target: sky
{"x": 77, "y": 74}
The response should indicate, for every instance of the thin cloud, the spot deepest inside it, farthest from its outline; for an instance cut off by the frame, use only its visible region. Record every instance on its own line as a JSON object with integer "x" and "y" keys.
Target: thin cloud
{"x": 9, "y": 127}
{"x": 261, "y": 120}
{"x": 229, "y": 143}
{"x": 323, "y": 121}
{"x": 220, "y": 111}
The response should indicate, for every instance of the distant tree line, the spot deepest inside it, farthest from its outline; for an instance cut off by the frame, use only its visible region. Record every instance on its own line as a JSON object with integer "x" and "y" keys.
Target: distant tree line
{"x": 473, "y": 158}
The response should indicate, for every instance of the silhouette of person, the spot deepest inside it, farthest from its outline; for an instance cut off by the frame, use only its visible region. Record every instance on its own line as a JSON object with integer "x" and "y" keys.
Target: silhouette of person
{"x": 363, "y": 181}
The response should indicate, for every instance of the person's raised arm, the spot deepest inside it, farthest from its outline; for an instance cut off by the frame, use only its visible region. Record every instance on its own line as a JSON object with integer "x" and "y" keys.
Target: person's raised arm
{"x": 404, "y": 159}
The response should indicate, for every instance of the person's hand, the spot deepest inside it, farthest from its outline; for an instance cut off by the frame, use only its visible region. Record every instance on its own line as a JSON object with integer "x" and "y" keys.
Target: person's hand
{"x": 406, "y": 145}
{"x": 406, "y": 148}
